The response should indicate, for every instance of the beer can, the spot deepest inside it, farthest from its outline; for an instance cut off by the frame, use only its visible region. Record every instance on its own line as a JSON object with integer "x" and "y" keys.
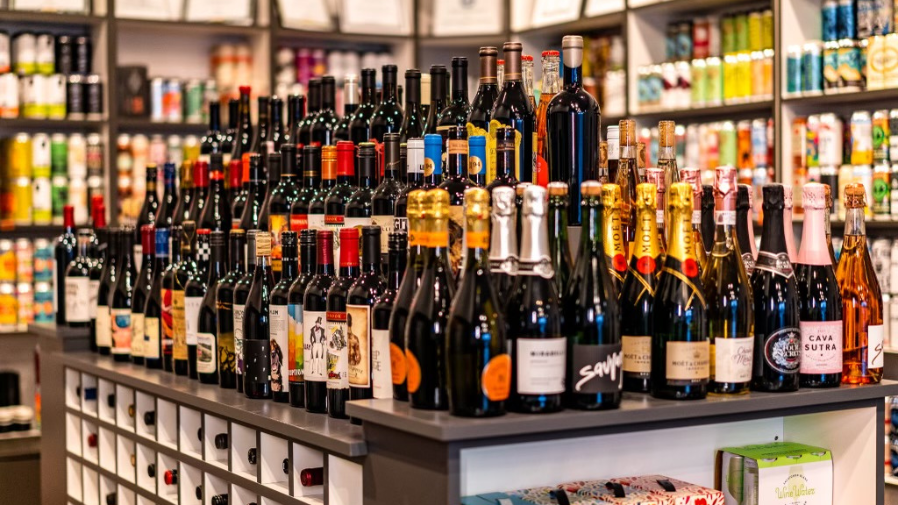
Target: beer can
{"x": 9, "y": 96}
{"x": 701, "y": 28}
{"x": 83, "y": 56}
{"x": 889, "y": 62}
{"x": 9, "y": 307}
{"x": 75, "y": 105}
{"x": 829, "y": 140}
{"x": 19, "y": 156}
{"x": 850, "y": 65}
{"x": 728, "y": 34}
{"x": 881, "y": 136}
{"x": 845, "y": 20}
{"x": 832, "y": 81}
{"x": 861, "y": 138}
{"x": 157, "y": 151}
{"x": 881, "y": 257}
{"x": 893, "y": 135}
{"x": 754, "y": 31}
{"x": 24, "y": 53}
{"x": 157, "y": 97}
{"x": 65, "y": 55}
{"x": 670, "y": 42}
{"x": 7, "y": 261}
{"x": 714, "y": 82}
{"x": 830, "y": 20}
{"x": 40, "y": 155}
{"x": 727, "y": 143}
{"x": 174, "y": 152}
{"x": 744, "y": 158}
{"x": 93, "y": 93}
{"x": 882, "y": 17}
{"x": 882, "y": 175}
{"x": 767, "y": 72}
{"x": 740, "y": 23}
{"x": 759, "y": 142}
{"x": 812, "y": 68}
{"x": 193, "y": 103}
{"x": 78, "y": 199}
{"x": 812, "y": 145}
{"x": 5, "y": 63}
{"x": 25, "y": 299}
{"x": 767, "y": 29}
{"x": 59, "y": 195}
{"x": 56, "y": 96}
{"x": 684, "y": 41}
{"x": 799, "y": 139}
{"x": 757, "y": 75}
{"x": 43, "y": 303}
{"x": 699, "y": 89}
{"x": 43, "y": 260}
{"x": 865, "y": 14}
{"x": 94, "y": 154}
{"x": 684, "y": 84}
{"x": 669, "y": 94}
{"x": 24, "y": 250}
{"x": 59, "y": 154}
{"x": 45, "y": 59}
{"x": 42, "y": 201}
{"x": 21, "y": 193}
{"x": 77, "y": 156}
{"x": 171, "y": 101}
{"x": 34, "y": 96}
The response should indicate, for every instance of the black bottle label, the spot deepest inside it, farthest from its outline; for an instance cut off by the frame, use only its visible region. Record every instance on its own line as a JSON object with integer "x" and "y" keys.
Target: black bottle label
{"x": 782, "y": 350}
{"x": 778, "y": 264}
{"x": 597, "y": 369}
{"x": 257, "y": 360}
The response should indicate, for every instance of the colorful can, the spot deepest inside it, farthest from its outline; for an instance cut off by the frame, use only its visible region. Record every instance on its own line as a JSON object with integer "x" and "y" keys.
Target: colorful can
{"x": 893, "y": 193}
{"x": 94, "y": 154}
{"x": 45, "y": 58}
{"x": 889, "y": 67}
{"x": 8, "y": 263}
{"x": 881, "y": 136}
{"x": 741, "y": 24}
{"x": 714, "y": 82}
{"x": 799, "y": 140}
{"x": 865, "y": 15}
{"x": 65, "y": 54}
{"x": 59, "y": 154}
{"x": 684, "y": 41}
{"x": 767, "y": 29}
{"x": 25, "y": 299}
{"x": 893, "y": 136}
{"x": 684, "y": 84}
{"x": 56, "y": 98}
{"x": 5, "y": 63}
{"x": 21, "y": 193}
{"x": 812, "y": 151}
{"x": 78, "y": 199}
{"x": 59, "y": 194}
{"x": 759, "y": 143}
{"x": 730, "y": 64}
{"x": 757, "y": 75}
{"x": 9, "y": 307}
{"x": 832, "y": 81}
{"x": 34, "y": 96}
{"x": 171, "y": 101}
{"x": 77, "y": 156}
{"x": 193, "y": 103}
{"x": 793, "y": 70}
{"x": 861, "y": 138}
{"x": 93, "y": 93}
{"x": 727, "y": 144}
{"x": 701, "y": 38}
{"x": 744, "y": 158}
{"x": 829, "y": 15}
{"x": 75, "y": 105}
{"x": 43, "y": 303}
{"x": 812, "y": 68}
{"x": 83, "y": 55}
{"x": 24, "y": 51}
{"x": 754, "y": 31}
{"x": 728, "y": 34}
{"x": 850, "y": 68}
{"x": 881, "y": 191}
{"x": 882, "y": 17}
{"x": 24, "y": 260}
{"x": 20, "y": 153}
{"x": 157, "y": 98}
{"x": 43, "y": 260}
{"x": 829, "y": 140}
{"x": 699, "y": 89}
{"x": 670, "y": 42}
{"x": 767, "y": 71}
{"x": 9, "y": 96}
{"x": 40, "y": 155}
{"x": 845, "y": 20}
{"x": 41, "y": 201}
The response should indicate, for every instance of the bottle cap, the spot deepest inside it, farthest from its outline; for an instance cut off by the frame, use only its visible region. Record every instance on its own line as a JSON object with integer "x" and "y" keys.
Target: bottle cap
{"x": 666, "y": 136}
{"x": 813, "y": 196}
{"x": 307, "y": 237}
{"x": 550, "y": 53}
{"x": 436, "y": 203}
{"x": 611, "y": 196}
{"x": 680, "y": 197}
{"x": 557, "y": 188}
{"x": 534, "y": 201}
{"x": 245, "y": 90}
{"x": 855, "y": 196}
{"x": 613, "y": 132}
{"x": 646, "y": 196}
{"x": 201, "y": 174}
{"x": 263, "y": 243}
{"x": 217, "y": 238}
{"x": 477, "y": 203}
{"x": 591, "y": 188}
{"x": 503, "y": 201}
{"x": 627, "y": 129}
{"x": 572, "y": 50}
{"x": 415, "y": 204}
{"x": 787, "y": 196}
{"x": 147, "y": 237}
{"x": 328, "y": 162}
{"x": 773, "y": 196}
{"x": 288, "y": 238}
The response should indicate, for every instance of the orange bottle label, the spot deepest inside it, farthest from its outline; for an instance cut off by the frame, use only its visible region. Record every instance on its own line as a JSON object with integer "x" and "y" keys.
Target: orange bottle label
{"x": 477, "y": 239}
{"x": 496, "y": 378}
{"x": 397, "y": 364}
{"x": 413, "y": 370}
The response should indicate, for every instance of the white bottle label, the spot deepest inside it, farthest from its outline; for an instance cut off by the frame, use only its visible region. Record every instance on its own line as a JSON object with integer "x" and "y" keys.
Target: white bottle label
{"x": 316, "y": 221}
{"x": 104, "y": 327}
{"x": 314, "y": 346}
{"x": 280, "y": 337}
{"x": 77, "y": 299}
{"x": 381, "y": 372}
{"x": 238, "y": 336}
{"x": 732, "y": 359}
{"x": 540, "y": 365}
{"x": 386, "y": 224}
{"x": 151, "y": 332}
{"x": 205, "y": 353}
{"x": 120, "y": 322}
{"x": 821, "y": 347}
{"x": 192, "y": 306}
{"x": 875, "y": 356}
{"x": 138, "y": 339}
{"x": 93, "y": 293}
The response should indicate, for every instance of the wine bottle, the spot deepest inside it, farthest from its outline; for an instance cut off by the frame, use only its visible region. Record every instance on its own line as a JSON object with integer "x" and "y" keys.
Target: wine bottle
{"x": 477, "y": 160}
{"x": 186, "y": 193}
{"x": 216, "y": 215}
{"x": 241, "y": 294}
{"x": 314, "y": 317}
{"x": 243, "y": 138}
{"x": 77, "y": 284}
{"x": 228, "y": 136}
{"x": 186, "y": 270}
{"x": 503, "y": 251}
{"x": 681, "y": 362}
{"x": 142, "y": 293}
{"x": 627, "y": 177}
{"x": 592, "y": 316}
{"x": 667, "y": 161}
{"x": 828, "y": 225}
{"x": 503, "y": 174}
{"x": 693, "y": 176}
{"x": 64, "y": 252}
{"x": 573, "y": 123}
{"x": 360, "y": 298}
{"x": 360, "y": 121}
{"x": 819, "y": 300}
{"x": 512, "y": 109}
{"x": 337, "y": 197}
{"x": 272, "y": 178}
{"x": 153, "y": 313}
{"x": 168, "y": 287}
{"x": 317, "y": 207}
{"x": 98, "y": 252}
{"x": 211, "y": 141}
{"x": 262, "y": 144}
{"x": 438, "y": 91}
{"x": 637, "y": 298}
{"x": 862, "y": 333}
{"x": 458, "y": 109}
{"x": 207, "y": 341}
{"x": 120, "y": 298}
{"x": 744, "y": 231}
{"x": 337, "y": 324}
{"x": 534, "y": 318}
{"x": 325, "y": 122}
{"x": 730, "y": 312}
{"x": 478, "y": 365}
{"x": 383, "y": 200}
{"x": 411, "y": 280}
{"x": 280, "y": 317}
{"x": 456, "y": 183}
{"x": 314, "y": 105}
{"x": 482, "y": 105}
{"x": 224, "y": 301}
{"x": 656, "y": 176}
{"x": 277, "y": 131}
{"x": 309, "y": 477}
{"x": 358, "y": 206}
{"x": 613, "y": 241}
{"x": 548, "y": 89}
{"x": 148, "y": 211}
{"x": 709, "y": 224}
{"x": 249, "y": 220}
{"x": 237, "y": 189}
{"x": 559, "y": 249}
{"x": 107, "y": 286}
{"x": 388, "y": 115}
{"x": 381, "y": 367}
{"x": 279, "y": 203}
{"x": 777, "y": 357}
{"x": 296, "y": 112}
{"x": 433, "y": 160}
{"x": 257, "y": 324}
{"x": 412, "y": 121}
{"x": 311, "y": 180}
{"x": 239, "y": 201}
{"x": 415, "y": 180}
{"x": 201, "y": 190}
{"x": 194, "y": 293}
{"x": 296, "y": 330}
{"x": 425, "y": 331}
{"x": 787, "y": 222}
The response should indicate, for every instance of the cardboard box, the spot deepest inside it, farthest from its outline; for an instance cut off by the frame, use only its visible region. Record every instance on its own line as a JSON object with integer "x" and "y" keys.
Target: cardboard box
{"x": 669, "y": 491}
{"x": 617, "y": 494}
{"x": 782, "y": 473}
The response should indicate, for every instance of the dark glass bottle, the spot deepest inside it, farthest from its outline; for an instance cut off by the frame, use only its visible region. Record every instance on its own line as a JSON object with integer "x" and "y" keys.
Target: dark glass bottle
{"x": 120, "y": 298}
{"x": 207, "y": 343}
{"x": 487, "y": 92}
{"x": 311, "y": 179}
{"x": 224, "y": 301}
{"x": 503, "y": 242}
{"x": 415, "y": 180}
{"x": 383, "y": 199}
{"x": 107, "y": 286}
{"x": 325, "y": 122}
{"x": 456, "y": 182}
{"x": 63, "y": 253}
{"x": 212, "y": 140}
{"x": 513, "y": 109}
{"x": 272, "y": 178}
{"x": 708, "y": 224}
{"x": 228, "y": 136}
{"x": 153, "y": 309}
{"x": 314, "y": 105}
{"x": 387, "y": 116}
{"x": 412, "y": 122}
{"x": 77, "y": 284}
{"x": 281, "y": 324}
{"x": 148, "y": 211}
{"x": 186, "y": 270}
{"x": 278, "y": 131}
{"x": 142, "y": 293}
{"x": 200, "y": 191}
{"x": 216, "y": 215}
{"x": 98, "y": 254}
{"x": 573, "y": 120}
{"x": 243, "y": 138}
{"x": 314, "y": 317}
{"x": 381, "y": 377}
{"x": 317, "y": 207}
{"x": 296, "y": 354}
{"x": 194, "y": 293}
{"x": 358, "y": 206}
{"x": 438, "y": 93}
{"x": 241, "y": 293}
{"x": 168, "y": 287}
{"x": 359, "y": 122}
{"x": 296, "y": 112}
{"x": 335, "y": 202}
{"x": 458, "y": 109}
{"x": 777, "y": 359}
{"x": 249, "y": 220}
{"x": 559, "y": 248}
{"x": 279, "y": 203}
{"x": 262, "y": 141}
{"x": 744, "y": 235}
{"x": 235, "y": 184}
{"x": 186, "y": 193}
{"x": 350, "y": 104}
{"x": 505, "y": 159}
{"x": 338, "y": 324}
{"x": 257, "y": 324}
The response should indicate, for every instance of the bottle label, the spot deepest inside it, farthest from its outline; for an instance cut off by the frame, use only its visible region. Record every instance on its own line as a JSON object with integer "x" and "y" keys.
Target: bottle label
{"x": 477, "y": 239}
{"x": 316, "y": 221}
{"x": 94, "y": 294}
{"x": 335, "y": 223}
{"x": 277, "y": 223}
{"x": 227, "y": 355}
{"x": 542, "y": 267}
{"x": 121, "y": 330}
{"x": 294, "y": 343}
{"x": 179, "y": 344}
{"x": 168, "y": 326}
{"x": 387, "y": 225}
{"x": 507, "y": 265}
{"x": 821, "y": 347}
{"x": 518, "y": 125}
{"x": 540, "y": 365}
{"x": 381, "y": 381}
{"x": 138, "y": 337}
{"x": 688, "y": 363}
{"x": 731, "y": 359}
{"x": 358, "y": 341}
{"x": 597, "y": 369}
{"x": 495, "y": 378}
{"x": 337, "y": 369}
{"x": 637, "y": 353}
{"x": 257, "y": 362}
{"x": 238, "y": 336}
{"x": 192, "y": 306}
{"x": 777, "y": 264}
{"x": 398, "y": 364}
{"x": 138, "y": 257}
{"x": 875, "y": 355}
{"x": 77, "y": 299}
{"x": 749, "y": 261}
{"x": 206, "y": 355}
{"x": 456, "y": 234}
{"x": 104, "y": 331}
{"x": 314, "y": 348}
{"x": 721, "y": 217}
{"x": 401, "y": 224}
{"x": 299, "y": 222}
{"x": 151, "y": 337}
{"x": 279, "y": 329}
{"x": 358, "y": 222}
{"x": 659, "y": 217}
{"x": 782, "y": 350}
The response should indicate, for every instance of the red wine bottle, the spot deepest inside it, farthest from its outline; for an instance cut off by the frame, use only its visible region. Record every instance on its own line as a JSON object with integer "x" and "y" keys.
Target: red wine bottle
{"x": 381, "y": 377}
{"x": 194, "y": 293}
{"x": 142, "y": 294}
{"x": 280, "y": 317}
{"x": 107, "y": 286}
{"x": 152, "y": 311}
{"x": 359, "y": 123}
{"x": 338, "y": 324}
{"x": 311, "y": 180}
{"x": 207, "y": 342}
{"x": 121, "y": 297}
{"x": 296, "y": 355}
{"x": 257, "y": 324}
{"x": 168, "y": 288}
{"x": 63, "y": 253}
{"x": 77, "y": 284}
{"x": 241, "y": 294}
{"x": 314, "y": 316}
{"x": 224, "y": 301}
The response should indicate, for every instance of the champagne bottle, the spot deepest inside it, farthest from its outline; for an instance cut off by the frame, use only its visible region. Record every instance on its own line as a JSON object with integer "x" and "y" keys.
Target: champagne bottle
{"x": 482, "y": 105}
{"x": 828, "y": 225}
{"x": 207, "y": 341}
{"x": 777, "y": 336}
{"x": 412, "y": 122}
{"x": 503, "y": 252}
{"x": 241, "y": 294}
{"x": 744, "y": 229}
{"x": 533, "y": 314}
{"x": 295, "y": 336}
{"x": 456, "y": 183}
{"x": 680, "y": 347}
{"x": 611, "y": 159}
{"x": 77, "y": 284}
{"x": 387, "y": 116}
{"x": 153, "y": 349}
{"x": 627, "y": 177}
{"x": 63, "y": 253}
{"x": 656, "y": 176}
{"x": 224, "y": 302}
{"x": 168, "y": 287}
{"x": 559, "y": 248}
{"x": 381, "y": 368}
{"x": 311, "y": 180}
{"x": 513, "y": 109}
{"x": 194, "y": 293}
{"x": 338, "y": 324}
{"x": 592, "y": 319}
{"x": 280, "y": 318}
{"x": 257, "y": 324}
{"x": 730, "y": 313}
{"x": 787, "y": 222}
{"x": 709, "y": 224}
{"x": 142, "y": 292}
{"x": 694, "y": 177}
{"x": 667, "y": 160}
{"x": 478, "y": 365}
{"x": 613, "y": 241}
{"x": 862, "y": 333}
{"x": 819, "y": 300}
{"x": 637, "y": 298}
{"x": 314, "y": 316}
{"x": 120, "y": 298}
{"x": 360, "y": 121}
{"x": 425, "y": 332}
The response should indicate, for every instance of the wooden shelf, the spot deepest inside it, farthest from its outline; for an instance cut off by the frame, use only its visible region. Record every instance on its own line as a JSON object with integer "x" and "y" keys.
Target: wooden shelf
{"x": 144, "y": 125}
{"x": 187, "y": 27}
{"x": 292, "y": 34}
{"x": 50, "y": 125}
{"x": 465, "y": 41}
{"x": 49, "y": 18}
{"x": 682, "y": 6}
{"x": 857, "y": 97}
{"x": 610, "y": 20}
{"x": 705, "y": 114}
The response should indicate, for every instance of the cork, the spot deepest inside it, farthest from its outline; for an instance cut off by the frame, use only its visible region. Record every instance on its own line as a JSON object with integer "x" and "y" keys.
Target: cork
{"x": 627, "y": 129}
{"x": 557, "y": 189}
{"x": 680, "y": 196}
{"x": 814, "y": 195}
{"x": 263, "y": 243}
{"x": 666, "y": 134}
{"x": 436, "y": 202}
{"x": 610, "y": 195}
{"x": 477, "y": 203}
{"x": 855, "y": 196}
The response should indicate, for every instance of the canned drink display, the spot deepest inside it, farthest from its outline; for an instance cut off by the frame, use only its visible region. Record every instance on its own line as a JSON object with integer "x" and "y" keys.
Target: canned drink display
{"x": 41, "y": 201}
{"x": 794, "y": 72}
{"x": 767, "y": 29}
{"x": 9, "y": 95}
{"x": 832, "y": 81}
{"x": 78, "y": 199}
{"x": 850, "y": 65}
{"x": 829, "y": 140}
{"x": 45, "y": 58}
{"x": 24, "y": 53}
{"x": 94, "y": 154}
{"x": 93, "y": 93}
{"x": 881, "y": 136}
{"x": 684, "y": 84}
{"x": 56, "y": 96}
{"x": 171, "y": 101}
{"x": 701, "y": 43}
{"x": 714, "y": 82}
{"x": 845, "y": 20}
{"x": 76, "y": 108}
{"x": 754, "y": 31}
{"x": 669, "y": 76}
{"x": 812, "y": 69}
{"x": 740, "y": 22}
{"x": 861, "y": 138}
{"x": 684, "y": 41}
{"x": 193, "y": 101}
{"x": 728, "y": 34}
{"x": 5, "y": 62}
{"x": 9, "y": 307}
{"x": 77, "y": 156}
{"x": 83, "y": 56}
{"x": 829, "y": 18}
{"x": 21, "y": 195}
{"x": 25, "y": 299}
{"x": 799, "y": 138}
{"x": 727, "y": 143}
{"x": 157, "y": 98}
{"x": 875, "y": 62}
{"x": 759, "y": 143}
{"x": 24, "y": 251}
{"x": 812, "y": 130}
{"x": 34, "y": 96}
{"x": 882, "y": 175}
{"x": 59, "y": 194}
{"x": 43, "y": 303}
{"x": 880, "y": 256}
{"x": 699, "y": 83}
{"x": 8, "y": 265}
{"x": 865, "y": 14}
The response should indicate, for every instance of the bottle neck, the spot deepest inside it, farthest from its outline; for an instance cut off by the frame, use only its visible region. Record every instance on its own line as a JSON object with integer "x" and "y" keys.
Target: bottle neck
{"x": 814, "y": 248}
{"x": 289, "y": 265}
{"x": 773, "y": 239}
{"x": 681, "y": 247}
{"x": 262, "y": 267}
{"x": 457, "y": 158}
{"x": 368, "y": 93}
{"x": 613, "y": 239}
{"x": 437, "y": 243}
{"x": 214, "y": 117}
{"x": 389, "y": 88}
{"x": 647, "y": 242}
{"x": 854, "y": 222}
{"x": 217, "y": 264}
{"x": 237, "y": 259}
{"x": 725, "y": 222}
{"x": 534, "y": 239}
{"x": 395, "y": 268}
{"x": 505, "y": 163}
{"x": 161, "y": 261}
{"x": 460, "y": 85}
{"x": 550, "y": 78}
{"x": 573, "y": 75}
{"x": 326, "y": 262}
{"x": 307, "y": 259}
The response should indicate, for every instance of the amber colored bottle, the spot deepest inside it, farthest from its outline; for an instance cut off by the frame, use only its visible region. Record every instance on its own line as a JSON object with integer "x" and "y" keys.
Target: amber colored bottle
{"x": 667, "y": 159}
{"x": 549, "y": 88}
{"x": 615, "y": 246}
{"x": 627, "y": 177}
{"x": 862, "y": 331}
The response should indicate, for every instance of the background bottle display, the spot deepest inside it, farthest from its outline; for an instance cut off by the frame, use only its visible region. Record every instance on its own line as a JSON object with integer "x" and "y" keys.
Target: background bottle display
{"x": 314, "y": 105}
{"x": 381, "y": 352}
{"x": 194, "y": 293}
{"x": 272, "y": 178}
{"x": 439, "y": 90}
{"x": 383, "y": 200}
{"x": 413, "y": 120}
{"x": 482, "y": 105}
{"x": 142, "y": 292}
{"x": 458, "y": 109}
{"x": 338, "y": 324}
{"x": 63, "y": 253}
{"x": 279, "y": 204}
{"x": 387, "y": 116}
{"x": 358, "y": 206}
{"x": 296, "y": 357}
{"x": 359, "y": 123}
{"x": 226, "y": 351}
{"x": 257, "y": 323}
{"x": 314, "y": 316}
{"x": 120, "y": 298}
{"x": 153, "y": 349}
{"x": 148, "y": 211}
{"x": 456, "y": 182}
{"x": 207, "y": 341}
{"x": 241, "y": 293}
{"x": 107, "y": 286}
{"x": 280, "y": 318}
{"x": 350, "y": 104}
{"x": 317, "y": 208}
{"x": 185, "y": 270}
{"x": 77, "y": 284}
{"x": 513, "y": 109}
{"x": 311, "y": 179}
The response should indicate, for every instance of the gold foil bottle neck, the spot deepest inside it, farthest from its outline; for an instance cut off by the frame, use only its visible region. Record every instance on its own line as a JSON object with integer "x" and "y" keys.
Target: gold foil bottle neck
{"x": 646, "y": 196}
{"x": 437, "y": 203}
{"x": 627, "y": 130}
{"x": 680, "y": 196}
{"x": 415, "y": 204}
{"x": 610, "y": 196}
{"x": 829, "y": 196}
{"x": 666, "y": 135}
{"x": 591, "y": 188}
{"x": 603, "y": 154}
{"x": 557, "y": 189}
{"x": 477, "y": 203}
{"x": 855, "y": 196}
{"x": 641, "y": 156}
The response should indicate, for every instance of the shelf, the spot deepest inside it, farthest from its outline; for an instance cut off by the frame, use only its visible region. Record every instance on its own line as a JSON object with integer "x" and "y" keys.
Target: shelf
{"x": 891, "y": 481}
{"x": 610, "y": 20}
{"x": 144, "y": 125}
{"x": 32, "y": 231}
{"x": 705, "y": 114}
{"x": 50, "y": 125}
{"x": 49, "y": 18}
{"x": 187, "y": 27}
{"x": 332, "y": 37}
{"x": 682, "y": 6}
{"x": 20, "y": 443}
{"x": 858, "y": 97}
{"x": 637, "y": 412}
{"x": 464, "y": 41}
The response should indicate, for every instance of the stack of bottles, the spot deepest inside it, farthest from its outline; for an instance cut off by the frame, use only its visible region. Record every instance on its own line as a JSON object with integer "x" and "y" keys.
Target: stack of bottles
{"x": 40, "y": 173}
{"x": 711, "y": 62}
{"x": 26, "y": 283}
{"x": 295, "y": 67}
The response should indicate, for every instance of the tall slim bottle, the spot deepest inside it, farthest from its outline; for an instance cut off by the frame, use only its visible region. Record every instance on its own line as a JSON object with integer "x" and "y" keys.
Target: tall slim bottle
{"x": 257, "y": 324}
{"x": 611, "y": 159}
{"x": 120, "y": 298}
{"x": 207, "y": 342}
{"x": 656, "y": 176}
{"x": 243, "y": 139}
{"x": 819, "y": 300}
{"x": 358, "y": 206}
{"x": 216, "y": 215}
{"x": 730, "y": 316}
{"x": 709, "y": 224}
{"x": 627, "y": 176}
{"x": 413, "y": 120}
{"x": 224, "y": 301}
{"x": 457, "y": 110}
{"x": 478, "y": 365}
{"x": 194, "y": 293}
{"x": 828, "y": 225}
{"x": 278, "y": 132}
{"x": 272, "y": 178}
{"x": 744, "y": 230}
{"x": 513, "y": 109}
{"x": 548, "y": 89}
{"x": 77, "y": 284}
{"x": 314, "y": 104}
{"x": 317, "y": 207}
{"x": 573, "y": 123}
{"x": 314, "y": 316}
{"x": 107, "y": 286}
{"x": 482, "y": 105}
{"x": 201, "y": 190}
{"x": 438, "y": 91}
{"x": 381, "y": 312}
{"x": 325, "y": 122}
{"x": 504, "y": 163}
{"x": 777, "y": 357}
{"x": 252, "y": 212}
{"x": 787, "y": 222}
{"x": 142, "y": 293}
{"x": 311, "y": 180}
{"x": 99, "y": 255}
{"x": 211, "y": 141}
{"x": 456, "y": 182}
{"x": 503, "y": 242}
{"x": 153, "y": 328}
{"x": 681, "y": 362}
{"x": 64, "y": 251}
{"x": 387, "y": 116}
{"x": 693, "y": 176}
{"x": 186, "y": 193}
{"x": 667, "y": 159}
{"x": 559, "y": 249}
{"x": 148, "y": 211}
{"x": 538, "y": 345}
{"x": 613, "y": 241}
{"x": 262, "y": 144}
{"x": 350, "y": 104}
{"x": 241, "y": 294}
{"x": 295, "y": 332}
{"x": 383, "y": 200}
{"x": 359, "y": 123}
{"x": 862, "y": 357}
{"x": 185, "y": 270}
{"x": 228, "y": 136}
